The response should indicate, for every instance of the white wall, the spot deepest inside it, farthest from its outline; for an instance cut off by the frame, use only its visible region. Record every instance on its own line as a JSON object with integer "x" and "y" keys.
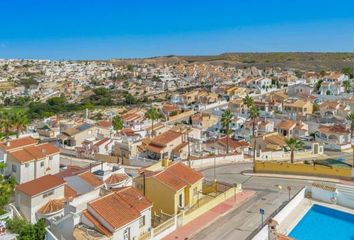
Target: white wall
{"x": 221, "y": 159}
{"x": 322, "y": 195}
{"x": 345, "y": 196}
{"x": 263, "y": 234}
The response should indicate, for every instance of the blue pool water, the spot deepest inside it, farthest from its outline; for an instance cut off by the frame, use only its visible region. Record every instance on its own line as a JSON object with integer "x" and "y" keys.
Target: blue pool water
{"x": 324, "y": 223}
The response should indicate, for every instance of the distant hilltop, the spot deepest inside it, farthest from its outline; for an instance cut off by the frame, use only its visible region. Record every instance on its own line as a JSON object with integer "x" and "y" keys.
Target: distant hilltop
{"x": 299, "y": 60}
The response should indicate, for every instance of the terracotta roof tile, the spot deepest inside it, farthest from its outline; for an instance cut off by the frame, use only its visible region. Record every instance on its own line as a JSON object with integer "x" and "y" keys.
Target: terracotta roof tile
{"x": 52, "y": 206}
{"x": 69, "y": 193}
{"x": 178, "y": 176}
{"x": 134, "y": 198}
{"x": 102, "y": 229}
{"x": 114, "y": 210}
{"x": 40, "y": 185}
{"x": 104, "y": 124}
{"x": 116, "y": 178}
{"x": 34, "y": 152}
{"x": 91, "y": 179}
{"x": 17, "y": 143}
{"x": 286, "y": 124}
{"x": 166, "y": 137}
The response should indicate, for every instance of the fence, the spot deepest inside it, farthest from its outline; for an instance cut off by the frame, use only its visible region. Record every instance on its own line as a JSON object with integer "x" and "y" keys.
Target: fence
{"x": 207, "y": 205}
{"x": 261, "y": 233}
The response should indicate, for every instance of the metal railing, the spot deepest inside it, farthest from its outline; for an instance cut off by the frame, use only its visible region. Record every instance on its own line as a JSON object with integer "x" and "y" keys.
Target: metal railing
{"x": 281, "y": 207}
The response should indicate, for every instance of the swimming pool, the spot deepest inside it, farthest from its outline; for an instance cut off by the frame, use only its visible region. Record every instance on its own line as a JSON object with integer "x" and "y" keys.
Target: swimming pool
{"x": 324, "y": 224}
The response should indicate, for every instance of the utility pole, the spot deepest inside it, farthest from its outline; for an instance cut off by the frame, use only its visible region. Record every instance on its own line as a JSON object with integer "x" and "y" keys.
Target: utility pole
{"x": 189, "y": 149}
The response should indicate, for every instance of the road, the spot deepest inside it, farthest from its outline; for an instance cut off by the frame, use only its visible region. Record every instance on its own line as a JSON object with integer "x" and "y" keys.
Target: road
{"x": 239, "y": 223}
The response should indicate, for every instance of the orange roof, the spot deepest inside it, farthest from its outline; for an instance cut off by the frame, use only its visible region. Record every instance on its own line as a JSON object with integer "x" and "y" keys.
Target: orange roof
{"x": 17, "y": 143}
{"x": 102, "y": 229}
{"x": 114, "y": 210}
{"x": 153, "y": 148}
{"x": 22, "y": 156}
{"x": 233, "y": 143}
{"x": 40, "y": 185}
{"x": 104, "y": 124}
{"x": 286, "y": 124}
{"x": 116, "y": 178}
{"x": 334, "y": 129}
{"x": 178, "y": 175}
{"x": 169, "y": 107}
{"x": 34, "y": 152}
{"x": 69, "y": 193}
{"x": 178, "y": 148}
{"x": 52, "y": 206}
{"x": 166, "y": 137}
{"x": 91, "y": 179}
{"x": 134, "y": 198}
{"x": 128, "y": 132}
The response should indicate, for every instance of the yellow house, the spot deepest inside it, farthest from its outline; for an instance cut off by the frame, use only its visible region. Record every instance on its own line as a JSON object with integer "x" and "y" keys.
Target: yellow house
{"x": 171, "y": 189}
{"x": 301, "y": 107}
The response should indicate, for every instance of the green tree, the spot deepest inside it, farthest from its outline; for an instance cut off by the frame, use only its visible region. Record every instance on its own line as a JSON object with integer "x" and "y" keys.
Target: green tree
{"x": 348, "y": 71}
{"x": 318, "y": 85}
{"x": 6, "y": 123}
{"x": 19, "y": 121}
{"x": 153, "y": 114}
{"x": 27, "y": 231}
{"x": 130, "y": 99}
{"x": 350, "y": 118}
{"x": 248, "y": 101}
{"x": 347, "y": 86}
{"x": 117, "y": 123}
{"x": 254, "y": 114}
{"x": 294, "y": 144}
{"x": 226, "y": 120}
{"x": 6, "y": 188}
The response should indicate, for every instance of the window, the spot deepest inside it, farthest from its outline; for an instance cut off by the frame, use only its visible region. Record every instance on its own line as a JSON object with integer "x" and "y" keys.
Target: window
{"x": 126, "y": 234}
{"x": 42, "y": 164}
{"x": 14, "y": 168}
{"x": 47, "y": 194}
{"x": 180, "y": 200}
{"x": 142, "y": 222}
{"x": 27, "y": 165}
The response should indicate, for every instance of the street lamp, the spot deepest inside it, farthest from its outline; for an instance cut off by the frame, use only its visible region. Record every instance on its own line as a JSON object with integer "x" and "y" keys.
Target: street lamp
{"x": 289, "y": 189}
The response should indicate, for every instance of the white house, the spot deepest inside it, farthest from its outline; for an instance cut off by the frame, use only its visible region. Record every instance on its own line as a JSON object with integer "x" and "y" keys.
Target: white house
{"x": 121, "y": 215}
{"x": 42, "y": 198}
{"x": 329, "y": 88}
{"x": 299, "y": 89}
{"x": 26, "y": 160}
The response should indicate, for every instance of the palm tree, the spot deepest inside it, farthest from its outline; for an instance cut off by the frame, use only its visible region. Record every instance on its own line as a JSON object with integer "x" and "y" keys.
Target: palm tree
{"x": 346, "y": 84}
{"x": 254, "y": 113}
{"x": 152, "y": 114}
{"x": 294, "y": 144}
{"x": 226, "y": 119}
{"x": 19, "y": 121}
{"x": 350, "y": 118}
{"x": 6, "y": 123}
{"x": 248, "y": 101}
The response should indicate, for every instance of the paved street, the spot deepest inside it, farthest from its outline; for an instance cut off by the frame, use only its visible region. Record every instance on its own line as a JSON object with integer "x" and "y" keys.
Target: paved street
{"x": 239, "y": 223}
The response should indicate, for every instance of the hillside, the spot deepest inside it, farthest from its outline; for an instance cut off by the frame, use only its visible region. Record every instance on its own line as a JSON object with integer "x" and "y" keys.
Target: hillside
{"x": 300, "y": 60}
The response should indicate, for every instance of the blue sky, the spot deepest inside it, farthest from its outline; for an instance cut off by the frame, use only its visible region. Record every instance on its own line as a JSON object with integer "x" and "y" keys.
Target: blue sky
{"x": 103, "y": 29}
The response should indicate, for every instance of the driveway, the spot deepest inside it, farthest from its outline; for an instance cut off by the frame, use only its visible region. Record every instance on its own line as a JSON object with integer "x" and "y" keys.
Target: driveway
{"x": 239, "y": 223}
